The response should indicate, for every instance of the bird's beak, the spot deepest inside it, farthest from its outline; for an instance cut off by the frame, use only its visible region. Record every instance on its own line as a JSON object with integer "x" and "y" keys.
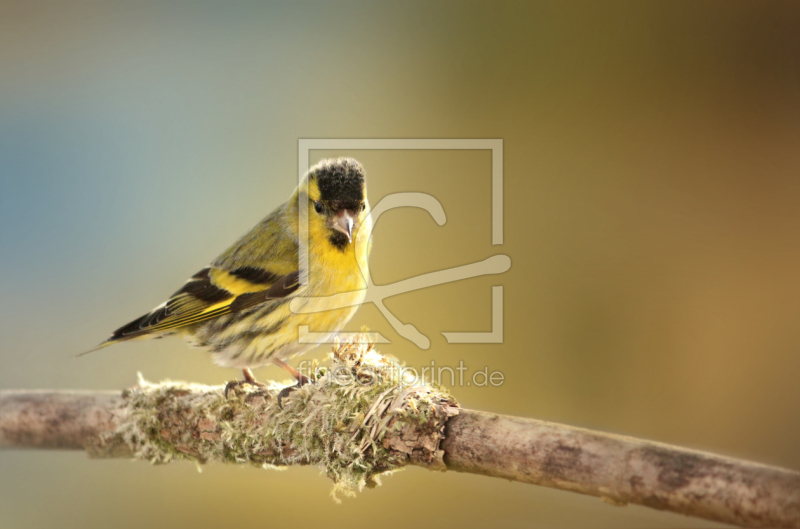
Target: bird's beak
{"x": 343, "y": 222}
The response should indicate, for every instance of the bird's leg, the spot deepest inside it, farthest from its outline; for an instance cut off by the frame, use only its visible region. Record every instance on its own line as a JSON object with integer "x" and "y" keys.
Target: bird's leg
{"x": 248, "y": 379}
{"x": 301, "y": 380}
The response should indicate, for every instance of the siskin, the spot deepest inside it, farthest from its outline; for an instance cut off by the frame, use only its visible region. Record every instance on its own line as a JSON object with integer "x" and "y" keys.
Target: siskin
{"x": 238, "y": 307}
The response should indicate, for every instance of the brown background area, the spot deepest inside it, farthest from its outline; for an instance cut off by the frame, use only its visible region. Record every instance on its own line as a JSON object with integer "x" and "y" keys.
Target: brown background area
{"x": 651, "y": 216}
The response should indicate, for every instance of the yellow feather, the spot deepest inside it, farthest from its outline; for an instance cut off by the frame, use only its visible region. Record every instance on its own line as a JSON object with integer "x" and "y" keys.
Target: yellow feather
{"x": 234, "y": 285}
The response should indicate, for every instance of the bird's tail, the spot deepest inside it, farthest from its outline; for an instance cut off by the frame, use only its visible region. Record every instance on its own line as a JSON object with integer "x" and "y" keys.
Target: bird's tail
{"x": 131, "y": 331}
{"x": 109, "y": 341}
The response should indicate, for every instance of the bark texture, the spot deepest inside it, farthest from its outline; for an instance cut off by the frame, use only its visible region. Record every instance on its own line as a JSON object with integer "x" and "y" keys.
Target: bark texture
{"x": 623, "y": 470}
{"x": 70, "y": 420}
{"x": 615, "y": 468}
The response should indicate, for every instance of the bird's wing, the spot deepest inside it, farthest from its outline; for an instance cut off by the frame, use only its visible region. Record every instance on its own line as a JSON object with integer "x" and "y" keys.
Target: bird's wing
{"x": 210, "y": 293}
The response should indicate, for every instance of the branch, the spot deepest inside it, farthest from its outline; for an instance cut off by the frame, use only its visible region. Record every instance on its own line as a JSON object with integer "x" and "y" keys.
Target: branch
{"x": 360, "y": 428}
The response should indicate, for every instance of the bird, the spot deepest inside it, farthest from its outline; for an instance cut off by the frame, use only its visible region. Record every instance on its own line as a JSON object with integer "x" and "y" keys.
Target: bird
{"x": 238, "y": 307}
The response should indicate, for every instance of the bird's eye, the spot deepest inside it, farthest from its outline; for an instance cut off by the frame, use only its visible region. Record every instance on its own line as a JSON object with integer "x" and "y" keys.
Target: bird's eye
{"x": 318, "y": 207}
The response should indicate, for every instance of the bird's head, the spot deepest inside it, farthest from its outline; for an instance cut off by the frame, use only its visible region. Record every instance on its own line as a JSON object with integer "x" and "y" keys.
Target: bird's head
{"x": 337, "y": 199}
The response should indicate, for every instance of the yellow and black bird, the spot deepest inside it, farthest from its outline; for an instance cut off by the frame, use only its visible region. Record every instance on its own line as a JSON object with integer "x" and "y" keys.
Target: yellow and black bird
{"x": 238, "y": 307}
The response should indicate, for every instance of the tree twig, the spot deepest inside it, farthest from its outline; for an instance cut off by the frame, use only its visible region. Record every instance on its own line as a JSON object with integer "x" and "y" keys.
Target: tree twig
{"x": 193, "y": 422}
{"x": 622, "y": 470}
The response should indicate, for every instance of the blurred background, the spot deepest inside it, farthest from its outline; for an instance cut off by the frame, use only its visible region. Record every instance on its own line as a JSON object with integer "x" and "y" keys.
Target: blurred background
{"x": 652, "y": 193}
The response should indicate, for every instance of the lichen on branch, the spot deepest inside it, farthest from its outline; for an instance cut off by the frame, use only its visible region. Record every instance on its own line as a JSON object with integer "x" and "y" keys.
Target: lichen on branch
{"x": 357, "y": 419}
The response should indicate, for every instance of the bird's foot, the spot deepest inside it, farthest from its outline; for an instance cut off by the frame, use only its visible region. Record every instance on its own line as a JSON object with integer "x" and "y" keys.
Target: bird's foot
{"x": 285, "y": 392}
{"x": 236, "y": 386}
{"x": 302, "y": 380}
{"x": 249, "y": 380}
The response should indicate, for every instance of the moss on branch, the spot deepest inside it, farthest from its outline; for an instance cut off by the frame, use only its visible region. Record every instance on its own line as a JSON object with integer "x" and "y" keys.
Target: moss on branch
{"x": 357, "y": 419}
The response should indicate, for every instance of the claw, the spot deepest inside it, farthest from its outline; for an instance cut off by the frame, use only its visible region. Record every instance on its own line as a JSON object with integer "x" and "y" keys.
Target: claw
{"x": 285, "y": 392}
{"x": 302, "y": 380}
{"x": 234, "y": 384}
{"x": 231, "y": 385}
{"x": 249, "y": 379}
